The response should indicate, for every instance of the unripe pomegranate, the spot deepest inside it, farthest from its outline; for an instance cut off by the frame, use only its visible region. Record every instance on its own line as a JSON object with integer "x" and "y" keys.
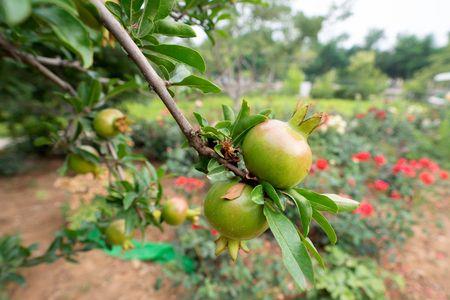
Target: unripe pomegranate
{"x": 115, "y": 234}
{"x": 229, "y": 209}
{"x": 109, "y": 122}
{"x": 80, "y": 165}
{"x": 175, "y": 211}
{"x": 278, "y": 152}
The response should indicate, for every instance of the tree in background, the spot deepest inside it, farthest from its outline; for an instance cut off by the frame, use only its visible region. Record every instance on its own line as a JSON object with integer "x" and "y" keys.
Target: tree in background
{"x": 410, "y": 54}
{"x": 325, "y": 85}
{"x": 362, "y": 78}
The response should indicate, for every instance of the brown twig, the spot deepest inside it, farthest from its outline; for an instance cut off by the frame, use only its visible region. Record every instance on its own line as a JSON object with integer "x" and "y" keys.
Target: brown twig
{"x": 32, "y": 61}
{"x": 158, "y": 85}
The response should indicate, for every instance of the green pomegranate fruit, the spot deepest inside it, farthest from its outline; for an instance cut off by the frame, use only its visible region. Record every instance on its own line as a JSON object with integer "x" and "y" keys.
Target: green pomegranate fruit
{"x": 278, "y": 152}
{"x": 80, "y": 165}
{"x": 110, "y": 122}
{"x": 175, "y": 211}
{"x": 229, "y": 209}
{"x": 115, "y": 234}
{"x": 239, "y": 218}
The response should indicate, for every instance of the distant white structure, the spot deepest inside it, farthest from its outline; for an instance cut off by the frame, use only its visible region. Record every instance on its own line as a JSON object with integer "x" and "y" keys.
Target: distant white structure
{"x": 305, "y": 89}
{"x": 442, "y": 77}
{"x": 441, "y": 94}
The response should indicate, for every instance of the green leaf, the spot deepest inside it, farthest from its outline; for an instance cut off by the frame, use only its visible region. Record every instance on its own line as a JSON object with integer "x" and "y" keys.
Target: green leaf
{"x": 160, "y": 61}
{"x": 200, "y": 120}
{"x": 312, "y": 249}
{"x": 325, "y": 225}
{"x": 319, "y": 201}
{"x": 64, "y": 4}
{"x": 202, "y": 84}
{"x": 164, "y": 8}
{"x": 182, "y": 54}
{"x": 69, "y": 30}
{"x": 128, "y": 200}
{"x": 258, "y": 195}
{"x": 344, "y": 204}
{"x": 90, "y": 92}
{"x": 244, "y": 122}
{"x": 272, "y": 193}
{"x": 304, "y": 209}
{"x": 171, "y": 28}
{"x": 114, "y": 8}
{"x": 295, "y": 256}
{"x": 228, "y": 113}
{"x": 42, "y": 141}
{"x": 15, "y": 12}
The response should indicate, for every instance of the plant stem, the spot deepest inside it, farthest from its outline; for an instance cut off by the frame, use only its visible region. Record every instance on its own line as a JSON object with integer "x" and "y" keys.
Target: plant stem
{"x": 158, "y": 85}
{"x": 32, "y": 61}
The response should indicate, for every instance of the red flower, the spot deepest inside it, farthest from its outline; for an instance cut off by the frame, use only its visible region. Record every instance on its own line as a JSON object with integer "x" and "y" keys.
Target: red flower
{"x": 395, "y": 195}
{"x": 214, "y": 232}
{"x": 426, "y": 177}
{"x": 197, "y": 227}
{"x": 360, "y": 116}
{"x": 381, "y": 185}
{"x": 322, "y": 164}
{"x": 380, "y": 160}
{"x": 381, "y": 114}
{"x": 361, "y": 156}
{"x": 181, "y": 181}
{"x": 189, "y": 184}
{"x": 443, "y": 175}
{"x": 364, "y": 209}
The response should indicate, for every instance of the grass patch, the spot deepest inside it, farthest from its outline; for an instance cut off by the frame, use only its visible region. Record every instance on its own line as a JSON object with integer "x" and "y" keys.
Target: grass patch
{"x": 282, "y": 106}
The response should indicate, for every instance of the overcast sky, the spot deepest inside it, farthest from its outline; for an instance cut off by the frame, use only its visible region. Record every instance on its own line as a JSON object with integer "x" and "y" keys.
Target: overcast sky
{"x": 419, "y": 17}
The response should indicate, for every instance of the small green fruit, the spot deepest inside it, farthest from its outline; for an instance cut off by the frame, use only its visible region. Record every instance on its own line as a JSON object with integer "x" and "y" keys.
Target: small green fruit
{"x": 115, "y": 234}
{"x": 110, "y": 122}
{"x": 80, "y": 165}
{"x": 175, "y": 211}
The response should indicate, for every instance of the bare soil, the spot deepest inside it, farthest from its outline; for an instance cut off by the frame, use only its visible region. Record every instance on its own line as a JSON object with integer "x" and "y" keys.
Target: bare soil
{"x": 31, "y": 205}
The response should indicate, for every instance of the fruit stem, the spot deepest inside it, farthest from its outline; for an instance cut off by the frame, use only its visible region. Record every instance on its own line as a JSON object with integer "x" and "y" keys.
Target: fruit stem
{"x": 299, "y": 121}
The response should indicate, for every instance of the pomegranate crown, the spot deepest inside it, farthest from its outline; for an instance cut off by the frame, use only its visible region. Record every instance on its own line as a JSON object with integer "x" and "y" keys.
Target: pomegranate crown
{"x": 303, "y": 124}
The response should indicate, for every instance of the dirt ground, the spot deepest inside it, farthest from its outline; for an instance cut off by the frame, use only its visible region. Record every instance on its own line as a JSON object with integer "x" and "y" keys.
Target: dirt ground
{"x": 31, "y": 205}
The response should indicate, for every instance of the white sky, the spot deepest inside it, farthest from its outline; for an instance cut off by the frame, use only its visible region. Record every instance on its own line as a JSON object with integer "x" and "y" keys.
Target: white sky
{"x": 419, "y": 17}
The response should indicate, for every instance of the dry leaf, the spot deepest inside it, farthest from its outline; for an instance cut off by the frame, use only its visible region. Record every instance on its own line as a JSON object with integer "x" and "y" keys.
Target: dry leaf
{"x": 234, "y": 192}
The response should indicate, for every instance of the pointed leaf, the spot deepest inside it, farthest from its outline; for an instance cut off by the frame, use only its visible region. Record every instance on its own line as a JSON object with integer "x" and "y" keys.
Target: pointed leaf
{"x": 182, "y": 54}
{"x": 200, "y": 83}
{"x": 164, "y": 8}
{"x": 69, "y": 30}
{"x": 170, "y": 28}
{"x": 304, "y": 209}
{"x": 312, "y": 249}
{"x": 228, "y": 113}
{"x": 272, "y": 193}
{"x": 325, "y": 225}
{"x": 128, "y": 200}
{"x": 258, "y": 195}
{"x": 321, "y": 201}
{"x": 344, "y": 204}
{"x": 295, "y": 256}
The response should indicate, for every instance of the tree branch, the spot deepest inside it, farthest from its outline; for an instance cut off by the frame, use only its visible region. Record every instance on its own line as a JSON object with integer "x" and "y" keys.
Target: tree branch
{"x": 159, "y": 86}
{"x": 32, "y": 61}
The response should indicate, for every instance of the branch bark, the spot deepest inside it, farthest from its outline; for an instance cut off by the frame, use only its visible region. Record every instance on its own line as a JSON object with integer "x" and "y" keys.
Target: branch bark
{"x": 159, "y": 87}
{"x": 32, "y": 61}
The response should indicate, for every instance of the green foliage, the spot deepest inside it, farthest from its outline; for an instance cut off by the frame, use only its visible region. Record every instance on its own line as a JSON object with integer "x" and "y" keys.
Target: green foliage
{"x": 362, "y": 78}
{"x": 257, "y": 276}
{"x": 325, "y": 85}
{"x": 349, "y": 277}
{"x": 293, "y": 80}
{"x": 410, "y": 54}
